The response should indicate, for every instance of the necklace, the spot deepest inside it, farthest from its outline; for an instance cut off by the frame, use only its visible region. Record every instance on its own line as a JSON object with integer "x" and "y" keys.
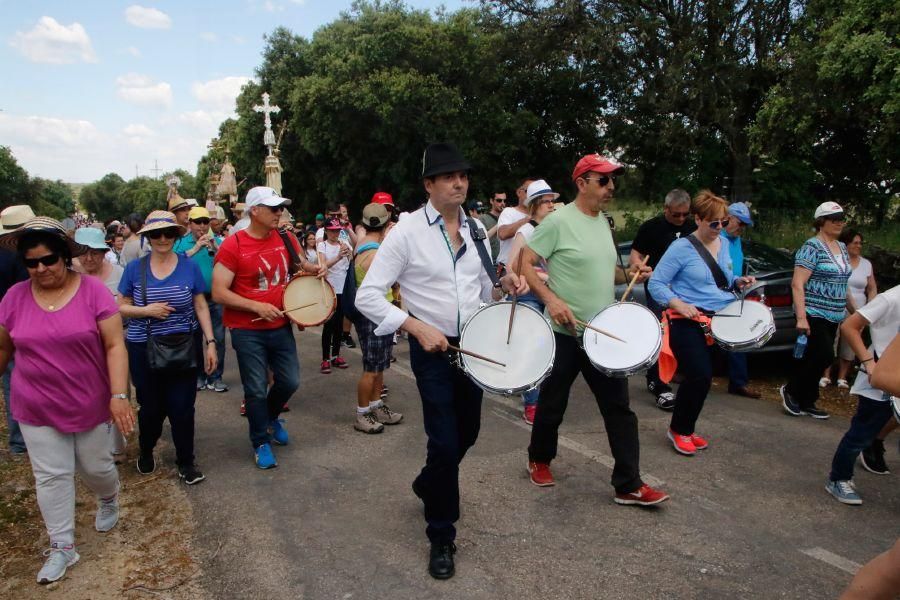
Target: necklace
{"x": 52, "y": 306}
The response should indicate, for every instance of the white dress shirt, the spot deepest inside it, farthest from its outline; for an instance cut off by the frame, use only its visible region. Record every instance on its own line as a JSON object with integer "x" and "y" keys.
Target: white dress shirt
{"x": 437, "y": 289}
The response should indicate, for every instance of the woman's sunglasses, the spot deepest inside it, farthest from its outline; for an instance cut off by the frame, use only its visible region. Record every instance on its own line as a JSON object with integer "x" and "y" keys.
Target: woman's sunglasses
{"x": 719, "y": 223}
{"x": 169, "y": 233}
{"x": 48, "y": 261}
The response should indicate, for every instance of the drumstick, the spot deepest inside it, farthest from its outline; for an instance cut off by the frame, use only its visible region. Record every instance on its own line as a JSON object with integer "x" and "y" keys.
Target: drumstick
{"x": 287, "y": 311}
{"x": 321, "y": 260}
{"x": 598, "y": 330}
{"x": 515, "y": 301}
{"x": 474, "y": 355}
{"x": 634, "y": 279}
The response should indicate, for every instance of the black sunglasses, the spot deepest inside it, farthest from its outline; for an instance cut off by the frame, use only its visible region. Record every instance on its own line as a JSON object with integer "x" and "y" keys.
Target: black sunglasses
{"x": 169, "y": 233}
{"x": 200, "y": 221}
{"x": 47, "y": 260}
{"x": 603, "y": 180}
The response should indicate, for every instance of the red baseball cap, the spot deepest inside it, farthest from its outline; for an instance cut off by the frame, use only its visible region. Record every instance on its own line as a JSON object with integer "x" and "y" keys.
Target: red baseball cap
{"x": 598, "y": 164}
{"x": 382, "y": 198}
{"x": 333, "y": 224}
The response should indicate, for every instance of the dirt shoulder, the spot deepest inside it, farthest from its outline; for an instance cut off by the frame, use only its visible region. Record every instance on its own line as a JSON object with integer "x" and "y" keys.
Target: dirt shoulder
{"x": 148, "y": 554}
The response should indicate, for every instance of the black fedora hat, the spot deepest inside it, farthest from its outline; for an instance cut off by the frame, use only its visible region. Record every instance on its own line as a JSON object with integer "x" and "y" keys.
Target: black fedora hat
{"x": 443, "y": 158}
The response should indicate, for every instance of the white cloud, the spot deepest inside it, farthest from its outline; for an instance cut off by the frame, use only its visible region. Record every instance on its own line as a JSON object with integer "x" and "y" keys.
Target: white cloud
{"x": 137, "y": 130}
{"x": 147, "y": 18}
{"x": 133, "y": 51}
{"x": 237, "y": 39}
{"x": 48, "y": 131}
{"x": 209, "y": 36}
{"x": 219, "y": 94}
{"x": 270, "y": 6}
{"x": 52, "y": 42}
{"x": 207, "y": 121}
{"x": 141, "y": 90}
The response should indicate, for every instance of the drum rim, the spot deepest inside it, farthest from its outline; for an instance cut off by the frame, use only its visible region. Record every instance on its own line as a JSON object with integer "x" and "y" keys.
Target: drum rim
{"x": 463, "y": 359}
{"x": 757, "y": 341}
{"x": 290, "y": 316}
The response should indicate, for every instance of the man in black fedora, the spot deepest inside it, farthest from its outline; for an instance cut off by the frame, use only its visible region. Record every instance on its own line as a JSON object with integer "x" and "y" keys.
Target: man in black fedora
{"x": 441, "y": 259}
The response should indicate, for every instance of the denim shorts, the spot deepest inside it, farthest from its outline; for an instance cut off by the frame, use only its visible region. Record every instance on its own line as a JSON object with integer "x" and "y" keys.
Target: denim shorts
{"x": 376, "y": 349}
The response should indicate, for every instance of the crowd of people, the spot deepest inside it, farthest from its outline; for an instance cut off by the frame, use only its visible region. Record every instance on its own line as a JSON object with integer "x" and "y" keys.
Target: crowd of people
{"x": 183, "y": 279}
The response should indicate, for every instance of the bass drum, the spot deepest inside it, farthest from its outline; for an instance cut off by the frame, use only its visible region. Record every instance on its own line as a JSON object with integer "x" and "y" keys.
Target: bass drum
{"x": 634, "y": 323}
{"x": 528, "y": 355}
{"x": 318, "y": 301}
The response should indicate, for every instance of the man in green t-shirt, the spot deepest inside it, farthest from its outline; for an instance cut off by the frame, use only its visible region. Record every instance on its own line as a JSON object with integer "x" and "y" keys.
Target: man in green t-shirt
{"x": 577, "y": 245}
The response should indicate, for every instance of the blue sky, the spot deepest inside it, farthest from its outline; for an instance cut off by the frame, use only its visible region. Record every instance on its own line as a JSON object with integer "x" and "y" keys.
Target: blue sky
{"x": 92, "y": 87}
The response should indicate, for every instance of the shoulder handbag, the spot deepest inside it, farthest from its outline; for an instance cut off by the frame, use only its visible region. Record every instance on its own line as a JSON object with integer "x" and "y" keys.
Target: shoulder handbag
{"x": 718, "y": 275}
{"x": 173, "y": 352}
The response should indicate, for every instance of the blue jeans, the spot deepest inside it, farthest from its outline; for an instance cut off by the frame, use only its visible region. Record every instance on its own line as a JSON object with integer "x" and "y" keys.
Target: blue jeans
{"x": 738, "y": 376}
{"x": 218, "y": 327}
{"x": 258, "y": 351}
{"x": 161, "y": 396}
{"x": 451, "y": 408}
{"x": 16, "y": 441}
{"x": 871, "y": 416}
{"x": 529, "y": 299}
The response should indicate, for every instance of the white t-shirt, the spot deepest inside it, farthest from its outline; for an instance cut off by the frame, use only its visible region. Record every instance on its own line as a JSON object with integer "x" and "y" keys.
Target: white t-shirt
{"x": 510, "y": 215}
{"x": 337, "y": 273}
{"x": 856, "y": 285}
{"x": 883, "y": 315}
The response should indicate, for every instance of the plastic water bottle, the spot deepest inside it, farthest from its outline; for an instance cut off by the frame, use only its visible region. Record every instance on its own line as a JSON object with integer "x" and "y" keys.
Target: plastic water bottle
{"x": 800, "y": 346}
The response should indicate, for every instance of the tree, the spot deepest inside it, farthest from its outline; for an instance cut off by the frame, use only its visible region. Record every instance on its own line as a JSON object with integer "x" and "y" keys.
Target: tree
{"x": 143, "y": 195}
{"x": 53, "y": 198}
{"x": 838, "y": 103}
{"x": 101, "y": 197}
{"x": 15, "y": 187}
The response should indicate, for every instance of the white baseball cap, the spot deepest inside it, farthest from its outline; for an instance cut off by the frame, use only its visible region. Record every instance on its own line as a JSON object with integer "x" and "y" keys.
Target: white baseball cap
{"x": 266, "y": 196}
{"x": 828, "y": 208}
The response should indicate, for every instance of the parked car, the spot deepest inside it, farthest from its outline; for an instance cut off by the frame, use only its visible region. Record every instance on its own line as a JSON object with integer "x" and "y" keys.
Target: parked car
{"x": 772, "y": 268}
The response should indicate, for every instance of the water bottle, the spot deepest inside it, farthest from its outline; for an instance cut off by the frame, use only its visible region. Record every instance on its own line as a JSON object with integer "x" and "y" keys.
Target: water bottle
{"x": 800, "y": 346}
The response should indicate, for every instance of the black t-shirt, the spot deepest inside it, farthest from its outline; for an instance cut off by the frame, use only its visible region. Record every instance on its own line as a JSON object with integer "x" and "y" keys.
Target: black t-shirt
{"x": 656, "y": 235}
{"x": 12, "y": 270}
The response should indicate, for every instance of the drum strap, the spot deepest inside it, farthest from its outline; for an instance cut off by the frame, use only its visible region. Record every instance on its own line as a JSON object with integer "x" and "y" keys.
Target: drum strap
{"x": 486, "y": 261}
{"x": 717, "y": 273}
{"x": 292, "y": 252}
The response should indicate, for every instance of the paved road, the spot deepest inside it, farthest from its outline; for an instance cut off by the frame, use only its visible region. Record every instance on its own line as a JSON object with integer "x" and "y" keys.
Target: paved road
{"x": 749, "y": 517}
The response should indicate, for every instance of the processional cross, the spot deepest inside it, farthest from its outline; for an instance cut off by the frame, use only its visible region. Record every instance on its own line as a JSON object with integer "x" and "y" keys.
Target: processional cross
{"x": 268, "y": 110}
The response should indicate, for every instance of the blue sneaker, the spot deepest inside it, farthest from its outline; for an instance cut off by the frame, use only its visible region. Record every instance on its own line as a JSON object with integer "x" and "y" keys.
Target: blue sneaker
{"x": 264, "y": 457}
{"x": 279, "y": 433}
{"x": 843, "y": 491}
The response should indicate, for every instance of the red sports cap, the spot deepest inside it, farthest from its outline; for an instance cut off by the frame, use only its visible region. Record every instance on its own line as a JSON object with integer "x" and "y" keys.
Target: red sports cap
{"x": 382, "y": 198}
{"x": 597, "y": 164}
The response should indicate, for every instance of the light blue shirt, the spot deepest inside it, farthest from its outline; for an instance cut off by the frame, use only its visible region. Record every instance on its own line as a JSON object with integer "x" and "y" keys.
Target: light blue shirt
{"x": 737, "y": 253}
{"x": 683, "y": 274}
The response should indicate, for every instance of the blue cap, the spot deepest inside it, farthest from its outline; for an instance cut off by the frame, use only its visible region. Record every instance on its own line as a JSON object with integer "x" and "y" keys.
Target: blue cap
{"x": 742, "y": 212}
{"x": 91, "y": 237}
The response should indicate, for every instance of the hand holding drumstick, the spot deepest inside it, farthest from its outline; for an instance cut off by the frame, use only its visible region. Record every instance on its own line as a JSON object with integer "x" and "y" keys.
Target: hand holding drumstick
{"x": 640, "y": 270}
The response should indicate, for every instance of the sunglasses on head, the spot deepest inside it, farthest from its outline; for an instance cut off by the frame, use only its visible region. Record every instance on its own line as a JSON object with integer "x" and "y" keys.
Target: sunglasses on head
{"x": 200, "y": 221}
{"x": 47, "y": 260}
{"x": 170, "y": 233}
{"x": 719, "y": 223}
{"x": 603, "y": 180}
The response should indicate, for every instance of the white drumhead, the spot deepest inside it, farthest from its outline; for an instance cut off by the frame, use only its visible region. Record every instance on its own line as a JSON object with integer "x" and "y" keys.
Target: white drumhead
{"x": 316, "y": 298}
{"x": 635, "y": 324}
{"x": 528, "y": 356}
{"x": 754, "y": 322}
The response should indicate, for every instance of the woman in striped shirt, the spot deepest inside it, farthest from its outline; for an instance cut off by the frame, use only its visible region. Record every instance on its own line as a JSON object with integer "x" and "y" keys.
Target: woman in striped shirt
{"x": 821, "y": 270}
{"x": 172, "y": 303}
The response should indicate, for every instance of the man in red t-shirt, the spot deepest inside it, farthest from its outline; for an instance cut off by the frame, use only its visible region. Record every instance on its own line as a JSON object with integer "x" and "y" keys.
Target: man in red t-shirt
{"x": 251, "y": 271}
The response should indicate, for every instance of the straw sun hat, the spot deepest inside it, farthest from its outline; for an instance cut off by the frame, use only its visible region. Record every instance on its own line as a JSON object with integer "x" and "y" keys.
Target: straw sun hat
{"x": 161, "y": 219}
{"x": 10, "y": 241}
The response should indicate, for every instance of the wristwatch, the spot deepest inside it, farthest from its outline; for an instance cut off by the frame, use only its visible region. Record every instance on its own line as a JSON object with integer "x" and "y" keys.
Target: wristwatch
{"x": 119, "y": 397}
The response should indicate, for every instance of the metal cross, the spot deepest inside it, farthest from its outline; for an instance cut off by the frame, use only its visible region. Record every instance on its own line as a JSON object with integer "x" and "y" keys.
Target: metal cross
{"x": 267, "y": 110}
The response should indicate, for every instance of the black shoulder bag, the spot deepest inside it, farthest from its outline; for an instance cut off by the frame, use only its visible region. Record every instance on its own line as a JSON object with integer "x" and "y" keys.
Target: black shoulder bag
{"x": 718, "y": 275}
{"x": 479, "y": 236}
{"x": 173, "y": 352}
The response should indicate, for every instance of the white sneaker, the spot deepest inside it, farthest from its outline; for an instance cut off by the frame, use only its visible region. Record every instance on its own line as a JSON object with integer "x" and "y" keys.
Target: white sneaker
{"x": 107, "y": 515}
{"x": 842, "y": 383}
{"x": 59, "y": 558}
{"x": 367, "y": 423}
{"x": 384, "y": 415}
{"x": 824, "y": 382}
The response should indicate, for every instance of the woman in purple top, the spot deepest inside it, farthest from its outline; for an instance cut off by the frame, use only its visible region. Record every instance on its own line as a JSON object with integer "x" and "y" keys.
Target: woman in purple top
{"x": 69, "y": 383}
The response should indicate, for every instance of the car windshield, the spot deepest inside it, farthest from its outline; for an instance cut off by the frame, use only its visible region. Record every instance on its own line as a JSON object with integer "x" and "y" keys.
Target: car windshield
{"x": 765, "y": 259}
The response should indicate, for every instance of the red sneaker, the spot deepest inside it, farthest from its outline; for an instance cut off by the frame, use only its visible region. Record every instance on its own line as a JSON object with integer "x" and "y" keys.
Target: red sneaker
{"x": 325, "y": 368}
{"x": 528, "y": 415}
{"x": 682, "y": 443}
{"x": 540, "y": 474}
{"x": 643, "y": 496}
{"x": 243, "y": 408}
{"x": 699, "y": 442}
{"x": 340, "y": 363}
{"x": 285, "y": 407}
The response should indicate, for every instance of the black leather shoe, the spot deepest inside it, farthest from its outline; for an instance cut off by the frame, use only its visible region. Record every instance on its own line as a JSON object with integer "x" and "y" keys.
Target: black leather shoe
{"x": 440, "y": 565}
{"x": 744, "y": 391}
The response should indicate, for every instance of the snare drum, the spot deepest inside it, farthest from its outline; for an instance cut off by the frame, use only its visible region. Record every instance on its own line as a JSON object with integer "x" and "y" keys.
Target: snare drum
{"x": 632, "y": 322}
{"x": 748, "y": 328}
{"x": 303, "y": 291}
{"x": 528, "y": 356}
